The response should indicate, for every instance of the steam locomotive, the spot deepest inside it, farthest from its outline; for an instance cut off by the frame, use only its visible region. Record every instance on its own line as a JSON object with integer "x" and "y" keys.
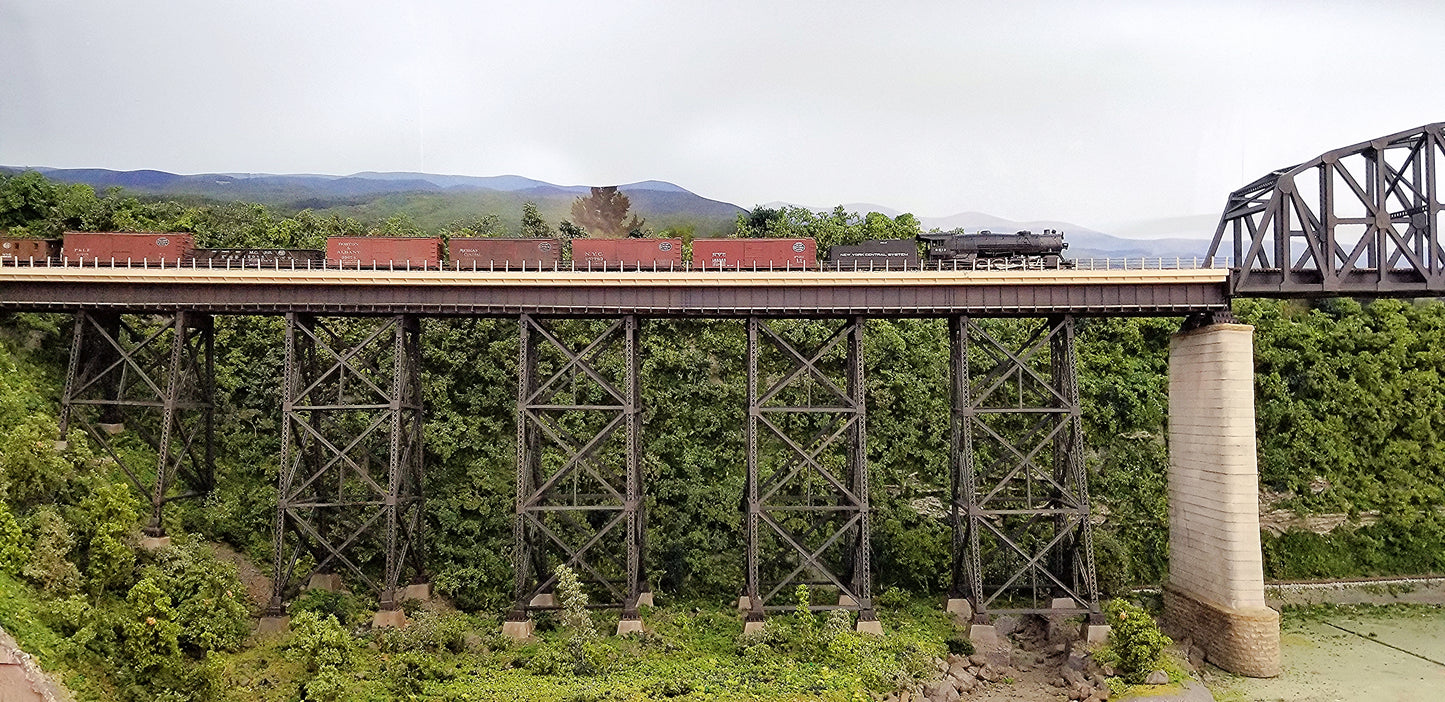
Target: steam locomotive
{"x": 1023, "y": 249}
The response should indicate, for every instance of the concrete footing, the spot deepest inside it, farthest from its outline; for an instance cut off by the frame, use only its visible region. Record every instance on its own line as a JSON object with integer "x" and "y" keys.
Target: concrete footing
{"x": 394, "y": 618}
{"x": 960, "y": 608}
{"x": 847, "y": 601}
{"x": 744, "y": 604}
{"x": 1063, "y": 603}
{"x": 417, "y": 591}
{"x": 273, "y": 625}
{"x": 871, "y": 626}
{"x": 752, "y": 627}
{"x": 155, "y": 543}
{"x": 983, "y": 634}
{"x": 518, "y": 631}
{"x": 111, "y": 429}
{"x": 1095, "y": 634}
{"x": 629, "y": 626}
{"x": 326, "y": 582}
{"x": 645, "y": 600}
{"x": 545, "y": 599}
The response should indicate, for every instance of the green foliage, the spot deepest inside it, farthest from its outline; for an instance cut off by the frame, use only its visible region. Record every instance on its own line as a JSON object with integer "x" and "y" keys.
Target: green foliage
{"x": 959, "y": 644}
{"x": 208, "y": 596}
{"x": 51, "y": 541}
{"x": 319, "y": 643}
{"x": 427, "y": 632}
{"x": 533, "y": 224}
{"x": 1135, "y": 642}
{"x": 831, "y": 229}
{"x": 14, "y": 550}
{"x": 344, "y": 607}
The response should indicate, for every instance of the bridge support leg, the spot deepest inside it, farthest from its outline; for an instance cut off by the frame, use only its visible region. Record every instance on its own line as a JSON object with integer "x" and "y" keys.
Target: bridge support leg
{"x": 1022, "y": 541}
{"x": 351, "y": 456}
{"x": 1215, "y": 593}
{"x": 807, "y": 524}
{"x": 579, "y": 466}
{"x": 153, "y": 376}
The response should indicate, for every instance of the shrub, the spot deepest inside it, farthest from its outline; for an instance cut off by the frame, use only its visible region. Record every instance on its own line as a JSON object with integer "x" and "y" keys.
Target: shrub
{"x": 959, "y": 644}
{"x": 50, "y": 568}
{"x": 319, "y": 643}
{"x": 893, "y": 598}
{"x": 206, "y": 592}
{"x": 343, "y": 606}
{"x": 1135, "y": 642}
{"x": 426, "y": 632}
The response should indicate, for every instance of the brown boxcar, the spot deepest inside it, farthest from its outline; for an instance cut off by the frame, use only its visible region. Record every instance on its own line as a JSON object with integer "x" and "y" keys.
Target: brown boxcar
{"x": 123, "y": 247}
{"x": 18, "y": 249}
{"x": 252, "y": 258}
{"x": 626, "y": 253}
{"x": 754, "y": 253}
{"x": 385, "y": 251}
{"x": 501, "y": 254}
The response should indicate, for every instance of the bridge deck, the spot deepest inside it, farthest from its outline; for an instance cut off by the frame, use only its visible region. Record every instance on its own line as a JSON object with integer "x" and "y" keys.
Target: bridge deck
{"x": 662, "y": 293}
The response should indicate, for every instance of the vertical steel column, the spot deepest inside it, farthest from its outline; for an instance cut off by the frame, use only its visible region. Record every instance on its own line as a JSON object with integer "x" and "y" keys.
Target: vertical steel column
{"x": 153, "y": 375}
{"x": 1020, "y": 492}
{"x": 351, "y": 404}
{"x": 580, "y": 491}
{"x": 806, "y": 507}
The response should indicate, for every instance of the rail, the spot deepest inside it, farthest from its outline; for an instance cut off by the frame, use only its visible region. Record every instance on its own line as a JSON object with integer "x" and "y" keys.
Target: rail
{"x": 1083, "y": 264}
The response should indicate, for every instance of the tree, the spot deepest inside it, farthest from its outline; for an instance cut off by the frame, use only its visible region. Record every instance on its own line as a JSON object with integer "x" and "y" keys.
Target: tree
{"x": 603, "y": 213}
{"x": 533, "y": 226}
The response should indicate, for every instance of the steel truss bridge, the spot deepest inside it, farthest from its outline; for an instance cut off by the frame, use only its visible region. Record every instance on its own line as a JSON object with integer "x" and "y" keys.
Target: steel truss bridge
{"x": 351, "y": 483}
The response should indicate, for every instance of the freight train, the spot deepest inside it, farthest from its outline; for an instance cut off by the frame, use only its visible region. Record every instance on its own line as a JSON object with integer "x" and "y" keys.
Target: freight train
{"x": 944, "y": 250}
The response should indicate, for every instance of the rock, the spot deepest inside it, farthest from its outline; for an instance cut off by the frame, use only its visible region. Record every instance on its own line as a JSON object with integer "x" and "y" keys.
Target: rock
{"x": 966, "y": 682}
{"x": 978, "y": 659}
{"x": 1157, "y": 677}
{"x": 1077, "y": 660}
{"x": 1006, "y": 624}
{"x": 990, "y": 673}
{"x": 1073, "y": 677}
{"x": 958, "y": 668}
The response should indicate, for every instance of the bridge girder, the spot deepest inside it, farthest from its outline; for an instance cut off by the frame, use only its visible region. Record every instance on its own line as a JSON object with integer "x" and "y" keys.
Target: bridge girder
{"x": 1363, "y": 220}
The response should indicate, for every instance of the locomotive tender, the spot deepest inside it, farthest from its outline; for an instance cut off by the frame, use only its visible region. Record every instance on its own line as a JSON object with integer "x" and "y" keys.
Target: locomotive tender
{"x": 944, "y": 250}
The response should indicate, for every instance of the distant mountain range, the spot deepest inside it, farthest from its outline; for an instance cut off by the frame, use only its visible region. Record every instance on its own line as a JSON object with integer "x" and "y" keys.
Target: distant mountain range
{"x": 434, "y": 201}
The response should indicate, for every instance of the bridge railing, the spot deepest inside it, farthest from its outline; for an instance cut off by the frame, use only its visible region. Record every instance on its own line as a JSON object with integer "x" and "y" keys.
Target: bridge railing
{"x": 1147, "y": 263}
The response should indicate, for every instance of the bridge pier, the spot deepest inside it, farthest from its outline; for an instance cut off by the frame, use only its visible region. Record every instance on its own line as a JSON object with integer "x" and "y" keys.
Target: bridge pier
{"x": 150, "y": 376}
{"x": 1215, "y": 593}
{"x": 579, "y": 465}
{"x": 1022, "y": 541}
{"x": 351, "y": 455}
{"x": 806, "y": 522}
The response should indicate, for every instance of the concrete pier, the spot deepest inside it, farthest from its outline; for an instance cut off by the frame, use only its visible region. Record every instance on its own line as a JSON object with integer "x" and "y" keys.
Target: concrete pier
{"x": 1215, "y": 593}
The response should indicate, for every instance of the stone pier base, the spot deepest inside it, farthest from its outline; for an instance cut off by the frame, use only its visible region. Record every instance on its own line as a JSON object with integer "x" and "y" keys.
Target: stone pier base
{"x": 629, "y": 626}
{"x": 1215, "y": 594}
{"x": 1243, "y": 641}
{"x": 389, "y": 618}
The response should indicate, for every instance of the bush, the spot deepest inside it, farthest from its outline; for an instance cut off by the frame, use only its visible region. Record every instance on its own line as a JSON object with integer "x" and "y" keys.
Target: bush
{"x": 343, "y": 606}
{"x": 51, "y": 541}
{"x": 1135, "y": 642}
{"x": 959, "y": 644}
{"x": 319, "y": 643}
{"x": 428, "y": 632}
{"x": 207, "y": 593}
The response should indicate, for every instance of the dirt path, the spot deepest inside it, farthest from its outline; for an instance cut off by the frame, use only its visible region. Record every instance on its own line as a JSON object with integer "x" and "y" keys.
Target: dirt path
{"x": 257, "y": 582}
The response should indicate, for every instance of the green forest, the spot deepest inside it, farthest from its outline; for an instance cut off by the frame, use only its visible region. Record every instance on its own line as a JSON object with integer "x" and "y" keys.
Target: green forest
{"x": 1350, "y": 405}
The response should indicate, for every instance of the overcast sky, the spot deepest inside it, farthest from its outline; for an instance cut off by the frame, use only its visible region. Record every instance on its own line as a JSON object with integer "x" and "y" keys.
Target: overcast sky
{"x": 1091, "y": 112}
